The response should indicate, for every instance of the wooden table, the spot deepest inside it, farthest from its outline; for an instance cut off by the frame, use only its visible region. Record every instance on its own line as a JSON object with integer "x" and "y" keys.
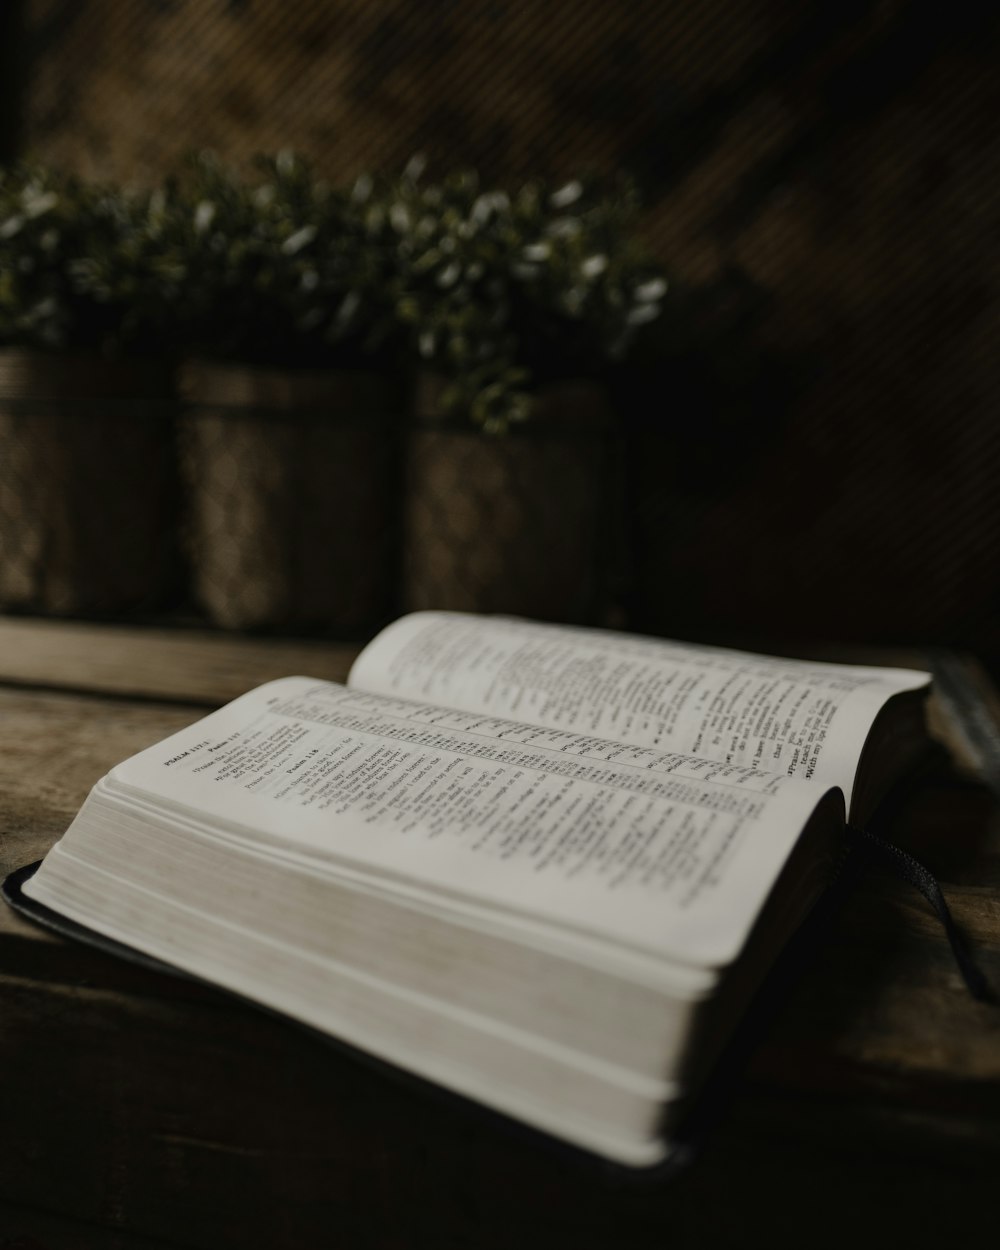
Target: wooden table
{"x": 141, "y": 1110}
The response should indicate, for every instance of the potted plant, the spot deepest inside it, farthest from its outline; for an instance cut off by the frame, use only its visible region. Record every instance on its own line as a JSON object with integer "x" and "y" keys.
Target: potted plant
{"x": 518, "y": 305}
{"x": 87, "y": 490}
{"x": 291, "y": 408}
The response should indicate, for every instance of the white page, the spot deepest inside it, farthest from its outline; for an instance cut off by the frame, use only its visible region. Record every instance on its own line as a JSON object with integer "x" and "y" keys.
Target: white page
{"x": 798, "y": 718}
{"x": 665, "y": 862}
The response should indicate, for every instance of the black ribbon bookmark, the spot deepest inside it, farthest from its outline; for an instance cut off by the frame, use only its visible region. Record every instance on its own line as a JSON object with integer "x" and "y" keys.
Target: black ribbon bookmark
{"x": 903, "y": 865}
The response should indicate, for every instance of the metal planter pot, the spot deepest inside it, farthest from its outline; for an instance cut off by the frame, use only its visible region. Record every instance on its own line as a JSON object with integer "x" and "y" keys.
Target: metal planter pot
{"x": 88, "y": 492}
{"x": 290, "y": 491}
{"x": 520, "y": 523}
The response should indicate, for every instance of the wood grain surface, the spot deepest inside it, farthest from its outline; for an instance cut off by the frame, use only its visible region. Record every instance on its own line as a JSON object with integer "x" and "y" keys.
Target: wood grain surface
{"x": 139, "y": 1106}
{"x": 190, "y": 666}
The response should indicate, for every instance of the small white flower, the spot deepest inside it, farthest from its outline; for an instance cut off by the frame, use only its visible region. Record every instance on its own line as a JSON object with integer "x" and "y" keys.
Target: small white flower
{"x": 481, "y": 210}
{"x": 563, "y": 227}
{"x": 537, "y": 251}
{"x": 204, "y": 215}
{"x": 487, "y": 203}
{"x": 362, "y": 189}
{"x": 399, "y": 216}
{"x": 297, "y": 241}
{"x": 652, "y": 290}
{"x": 348, "y": 308}
{"x": 35, "y": 205}
{"x": 566, "y": 195}
{"x": 415, "y": 166}
{"x": 640, "y": 315}
{"x": 594, "y": 266}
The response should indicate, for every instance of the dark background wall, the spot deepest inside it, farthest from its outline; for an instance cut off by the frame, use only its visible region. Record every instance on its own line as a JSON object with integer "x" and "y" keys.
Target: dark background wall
{"x": 823, "y": 180}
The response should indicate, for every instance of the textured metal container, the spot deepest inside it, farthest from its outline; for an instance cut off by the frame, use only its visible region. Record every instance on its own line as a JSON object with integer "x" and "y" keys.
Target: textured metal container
{"x": 519, "y": 523}
{"x": 87, "y": 485}
{"x": 290, "y": 496}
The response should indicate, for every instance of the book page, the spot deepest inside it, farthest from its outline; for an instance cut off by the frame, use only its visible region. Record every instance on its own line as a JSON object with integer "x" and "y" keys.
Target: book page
{"x": 797, "y": 718}
{"x": 671, "y": 859}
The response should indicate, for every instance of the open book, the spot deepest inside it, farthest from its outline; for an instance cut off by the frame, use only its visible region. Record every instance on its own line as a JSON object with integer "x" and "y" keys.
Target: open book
{"x": 544, "y": 867}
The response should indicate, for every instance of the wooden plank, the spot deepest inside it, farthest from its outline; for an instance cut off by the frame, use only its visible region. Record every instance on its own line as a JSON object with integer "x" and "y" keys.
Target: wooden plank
{"x": 226, "y": 1128}
{"x": 188, "y": 666}
{"x": 53, "y": 748}
{"x": 22, "y": 1228}
{"x": 200, "y": 666}
{"x": 882, "y": 1011}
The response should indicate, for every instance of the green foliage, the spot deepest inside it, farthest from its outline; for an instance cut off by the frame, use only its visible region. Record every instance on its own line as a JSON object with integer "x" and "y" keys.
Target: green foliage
{"x": 498, "y": 292}
{"x": 502, "y": 292}
{"x": 283, "y": 268}
{"x": 584, "y": 283}
{"x": 82, "y": 267}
